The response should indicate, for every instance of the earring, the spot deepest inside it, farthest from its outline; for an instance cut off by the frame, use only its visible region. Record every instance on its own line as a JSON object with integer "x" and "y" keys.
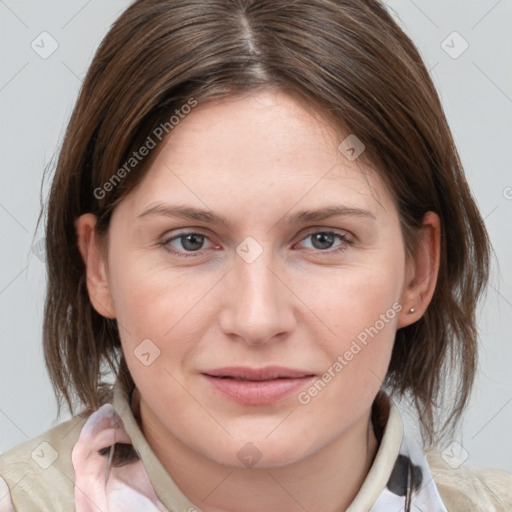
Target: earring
{"x": 411, "y": 311}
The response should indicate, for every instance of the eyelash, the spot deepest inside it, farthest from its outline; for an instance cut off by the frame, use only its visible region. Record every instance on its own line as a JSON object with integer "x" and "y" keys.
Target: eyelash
{"x": 342, "y": 247}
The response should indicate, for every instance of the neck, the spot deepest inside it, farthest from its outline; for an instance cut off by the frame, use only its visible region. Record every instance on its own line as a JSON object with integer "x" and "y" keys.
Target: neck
{"x": 327, "y": 480}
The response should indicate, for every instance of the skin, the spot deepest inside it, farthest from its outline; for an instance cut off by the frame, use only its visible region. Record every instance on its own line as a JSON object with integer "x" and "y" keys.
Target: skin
{"x": 257, "y": 159}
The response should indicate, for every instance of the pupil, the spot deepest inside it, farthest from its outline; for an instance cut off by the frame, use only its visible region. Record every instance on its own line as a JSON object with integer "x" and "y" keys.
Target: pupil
{"x": 193, "y": 246}
{"x": 321, "y": 237}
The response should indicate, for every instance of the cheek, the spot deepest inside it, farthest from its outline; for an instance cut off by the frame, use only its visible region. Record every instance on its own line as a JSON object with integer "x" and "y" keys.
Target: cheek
{"x": 163, "y": 304}
{"x": 348, "y": 300}
{"x": 141, "y": 287}
{"x": 146, "y": 302}
{"x": 151, "y": 312}
{"x": 359, "y": 308}
{"x": 358, "y": 352}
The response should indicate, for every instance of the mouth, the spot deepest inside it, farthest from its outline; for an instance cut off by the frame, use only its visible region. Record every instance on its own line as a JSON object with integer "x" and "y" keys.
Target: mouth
{"x": 257, "y": 374}
{"x": 257, "y": 386}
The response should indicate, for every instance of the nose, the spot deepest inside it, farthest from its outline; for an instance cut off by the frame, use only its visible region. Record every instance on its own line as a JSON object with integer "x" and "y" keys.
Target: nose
{"x": 259, "y": 307}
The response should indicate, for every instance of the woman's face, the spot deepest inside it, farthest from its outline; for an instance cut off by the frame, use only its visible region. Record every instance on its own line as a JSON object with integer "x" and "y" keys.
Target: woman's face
{"x": 273, "y": 286}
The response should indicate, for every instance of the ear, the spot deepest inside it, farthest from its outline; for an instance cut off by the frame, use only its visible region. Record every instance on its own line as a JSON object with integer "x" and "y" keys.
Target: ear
{"x": 422, "y": 271}
{"x": 95, "y": 264}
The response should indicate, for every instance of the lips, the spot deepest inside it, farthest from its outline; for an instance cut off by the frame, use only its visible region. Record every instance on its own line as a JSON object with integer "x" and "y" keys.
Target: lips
{"x": 257, "y": 386}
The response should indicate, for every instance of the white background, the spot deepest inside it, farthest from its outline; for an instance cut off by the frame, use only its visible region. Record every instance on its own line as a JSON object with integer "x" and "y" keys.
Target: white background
{"x": 36, "y": 99}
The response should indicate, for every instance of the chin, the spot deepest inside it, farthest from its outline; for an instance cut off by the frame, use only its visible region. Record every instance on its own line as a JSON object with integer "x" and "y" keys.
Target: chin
{"x": 263, "y": 453}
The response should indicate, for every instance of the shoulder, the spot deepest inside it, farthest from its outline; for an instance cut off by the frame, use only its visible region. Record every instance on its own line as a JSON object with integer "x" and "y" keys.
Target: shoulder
{"x": 39, "y": 473}
{"x": 464, "y": 487}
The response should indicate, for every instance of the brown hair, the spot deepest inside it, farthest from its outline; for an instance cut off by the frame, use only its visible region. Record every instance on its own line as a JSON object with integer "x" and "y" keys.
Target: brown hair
{"x": 351, "y": 61}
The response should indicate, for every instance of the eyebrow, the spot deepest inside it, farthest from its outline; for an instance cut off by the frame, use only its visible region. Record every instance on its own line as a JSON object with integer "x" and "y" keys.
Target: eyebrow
{"x": 191, "y": 213}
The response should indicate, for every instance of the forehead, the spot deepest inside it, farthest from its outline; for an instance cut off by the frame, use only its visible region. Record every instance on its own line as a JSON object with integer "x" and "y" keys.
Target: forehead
{"x": 264, "y": 149}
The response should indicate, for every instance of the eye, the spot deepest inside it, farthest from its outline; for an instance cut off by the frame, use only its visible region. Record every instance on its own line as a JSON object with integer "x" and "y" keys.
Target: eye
{"x": 189, "y": 242}
{"x": 323, "y": 240}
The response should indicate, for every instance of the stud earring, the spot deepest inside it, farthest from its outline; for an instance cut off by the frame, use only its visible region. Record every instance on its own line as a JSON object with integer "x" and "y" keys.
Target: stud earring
{"x": 411, "y": 311}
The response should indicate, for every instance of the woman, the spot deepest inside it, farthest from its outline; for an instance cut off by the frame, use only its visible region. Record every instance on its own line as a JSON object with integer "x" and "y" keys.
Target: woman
{"x": 259, "y": 222}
